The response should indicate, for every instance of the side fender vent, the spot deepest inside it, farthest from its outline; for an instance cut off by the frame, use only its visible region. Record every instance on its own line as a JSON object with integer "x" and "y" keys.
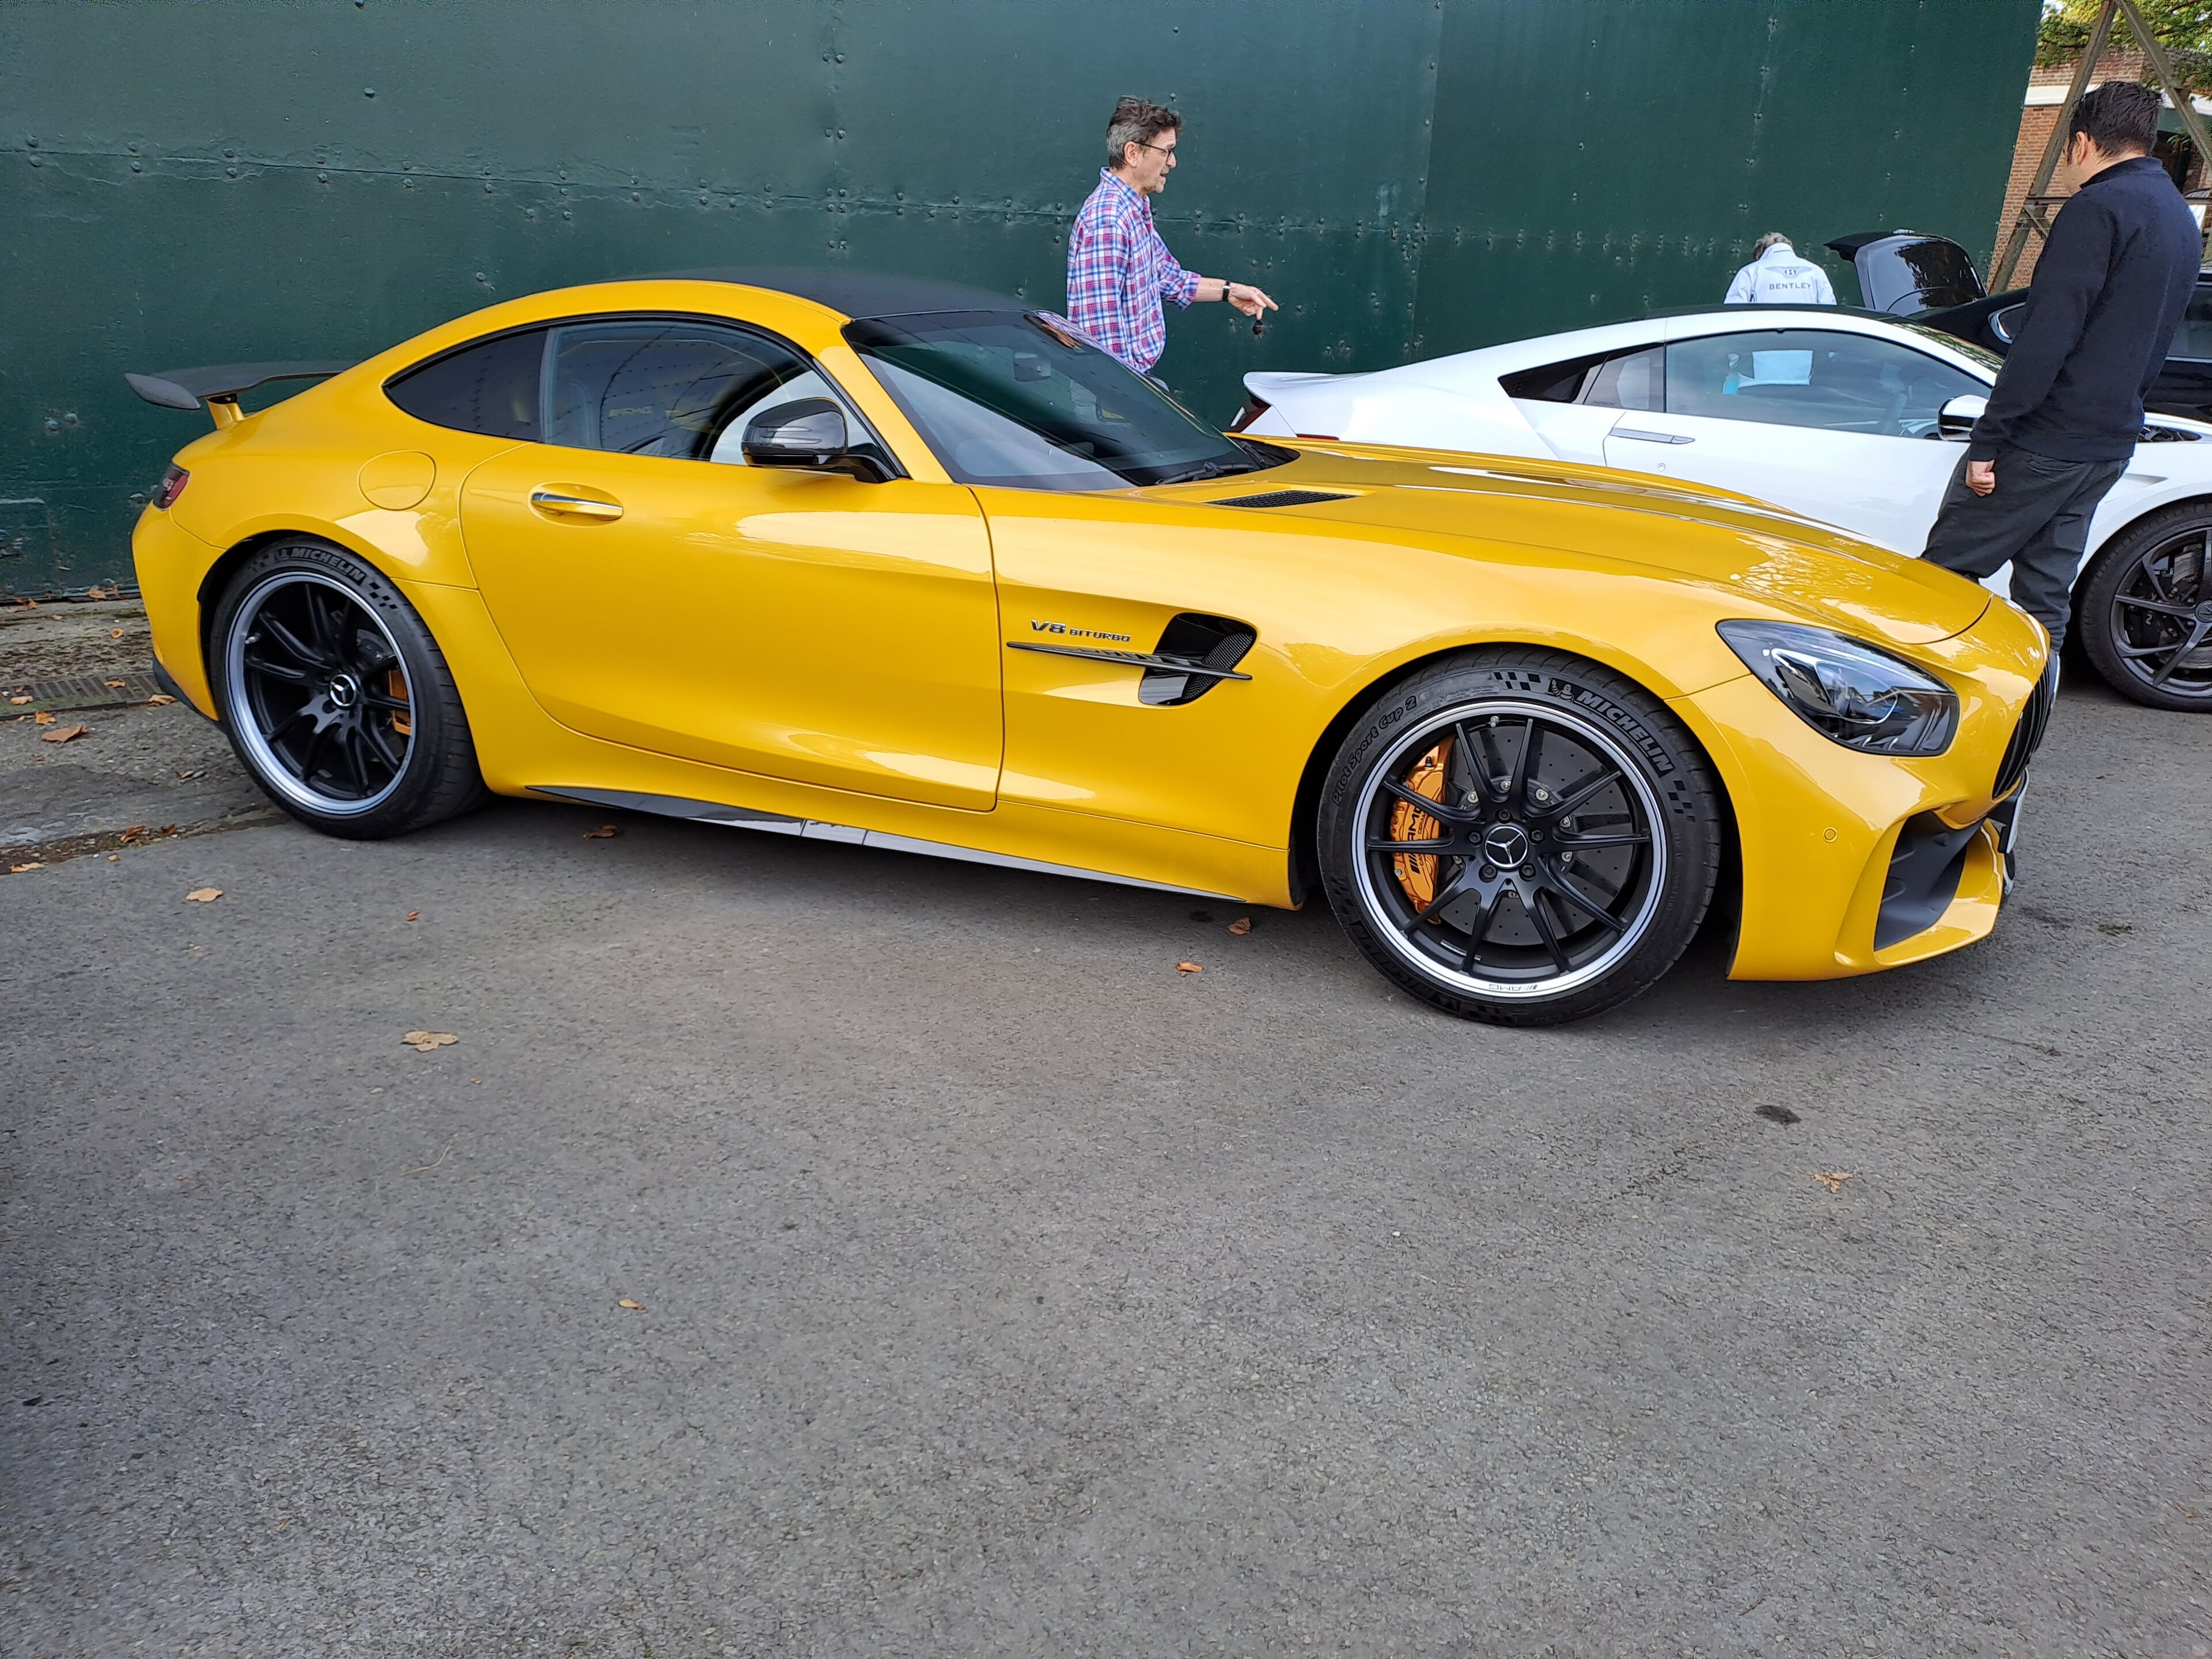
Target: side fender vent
{"x": 1213, "y": 645}
{"x": 1284, "y": 498}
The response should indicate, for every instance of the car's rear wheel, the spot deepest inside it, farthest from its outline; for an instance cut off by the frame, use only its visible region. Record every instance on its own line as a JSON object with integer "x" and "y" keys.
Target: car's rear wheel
{"x": 1520, "y": 836}
{"x": 336, "y": 696}
{"x": 2144, "y": 613}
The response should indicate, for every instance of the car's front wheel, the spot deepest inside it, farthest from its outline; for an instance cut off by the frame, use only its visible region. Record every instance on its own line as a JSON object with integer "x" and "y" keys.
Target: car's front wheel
{"x": 1520, "y": 836}
{"x": 2144, "y": 613}
{"x": 336, "y": 696}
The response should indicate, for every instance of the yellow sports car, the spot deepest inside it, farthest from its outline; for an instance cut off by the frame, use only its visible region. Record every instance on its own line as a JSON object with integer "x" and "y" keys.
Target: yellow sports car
{"x": 891, "y": 562}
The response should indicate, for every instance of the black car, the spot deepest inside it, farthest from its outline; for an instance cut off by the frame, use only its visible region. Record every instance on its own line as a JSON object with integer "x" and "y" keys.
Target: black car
{"x": 1932, "y": 280}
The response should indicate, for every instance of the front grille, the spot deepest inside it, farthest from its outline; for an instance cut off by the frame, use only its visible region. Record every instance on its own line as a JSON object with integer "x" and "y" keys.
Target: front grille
{"x": 1285, "y": 498}
{"x": 2027, "y": 736}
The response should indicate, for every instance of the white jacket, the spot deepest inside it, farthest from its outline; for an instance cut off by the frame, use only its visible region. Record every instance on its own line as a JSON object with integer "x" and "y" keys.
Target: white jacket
{"x": 1779, "y": 278}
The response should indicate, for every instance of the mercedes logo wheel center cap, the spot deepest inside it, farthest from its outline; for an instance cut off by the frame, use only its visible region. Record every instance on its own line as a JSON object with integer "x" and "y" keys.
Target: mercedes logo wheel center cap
{"x": 1506, "y": 845}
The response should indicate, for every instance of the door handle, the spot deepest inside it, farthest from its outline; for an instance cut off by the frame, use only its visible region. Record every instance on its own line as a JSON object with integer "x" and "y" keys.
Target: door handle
{"x": 581, "y": 507}
{"x": 1642, "y": 436}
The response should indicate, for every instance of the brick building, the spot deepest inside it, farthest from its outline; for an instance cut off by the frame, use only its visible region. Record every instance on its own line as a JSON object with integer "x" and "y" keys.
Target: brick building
{"x": 2046, "y": 90}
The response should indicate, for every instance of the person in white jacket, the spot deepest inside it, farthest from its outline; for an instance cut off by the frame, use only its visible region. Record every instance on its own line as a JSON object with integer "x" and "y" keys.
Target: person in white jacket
{"x": 1776, "y": 277}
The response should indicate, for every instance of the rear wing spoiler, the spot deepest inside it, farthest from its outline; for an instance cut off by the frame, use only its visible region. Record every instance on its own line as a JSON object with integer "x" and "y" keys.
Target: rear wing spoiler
{"x": 219, "y": 383}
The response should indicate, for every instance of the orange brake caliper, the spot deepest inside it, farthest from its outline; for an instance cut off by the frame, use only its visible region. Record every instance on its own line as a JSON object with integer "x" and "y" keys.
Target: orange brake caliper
{"x": 396, "y": 683}
{"x": 1417, "y": 871}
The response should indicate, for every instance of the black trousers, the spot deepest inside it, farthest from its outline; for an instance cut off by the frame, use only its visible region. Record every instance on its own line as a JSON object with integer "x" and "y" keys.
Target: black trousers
{"x": 2036, "y": 518}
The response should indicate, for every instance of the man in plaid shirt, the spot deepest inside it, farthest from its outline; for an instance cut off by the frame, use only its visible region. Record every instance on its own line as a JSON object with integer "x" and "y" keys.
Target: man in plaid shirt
{"x": 1118, "y": 269}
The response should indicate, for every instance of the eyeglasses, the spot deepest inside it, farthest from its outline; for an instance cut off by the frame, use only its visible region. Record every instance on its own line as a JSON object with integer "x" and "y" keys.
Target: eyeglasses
{"x": 1164, "y": 149}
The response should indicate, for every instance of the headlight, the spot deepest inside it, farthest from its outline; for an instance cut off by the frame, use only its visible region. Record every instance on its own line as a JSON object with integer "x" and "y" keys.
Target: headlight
{"x": 1849, "y": 693}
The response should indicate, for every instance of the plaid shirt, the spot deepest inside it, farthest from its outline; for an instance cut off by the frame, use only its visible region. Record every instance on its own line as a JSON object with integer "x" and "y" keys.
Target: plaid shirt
{"x": 1118, "y": 270}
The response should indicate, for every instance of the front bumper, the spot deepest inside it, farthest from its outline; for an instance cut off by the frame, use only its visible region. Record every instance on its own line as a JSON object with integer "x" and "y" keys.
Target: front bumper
{"x": 1852, "y": 863}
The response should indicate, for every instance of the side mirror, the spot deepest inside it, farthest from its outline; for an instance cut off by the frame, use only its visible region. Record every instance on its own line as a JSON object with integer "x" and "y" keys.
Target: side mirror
{"x": 807, "y": 432}
{"x": 1954, "y": 422}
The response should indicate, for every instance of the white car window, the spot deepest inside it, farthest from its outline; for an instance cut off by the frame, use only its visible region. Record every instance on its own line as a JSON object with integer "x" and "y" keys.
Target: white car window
{"x": 1624, "y": 379}
{"x": 1636, "y": 379}
{"x": 1813, "y": 378}
{"x": 2193, "y": 339}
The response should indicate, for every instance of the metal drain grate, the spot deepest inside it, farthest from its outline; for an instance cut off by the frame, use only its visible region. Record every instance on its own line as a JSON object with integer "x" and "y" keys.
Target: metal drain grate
{"x": 80, "y": 691}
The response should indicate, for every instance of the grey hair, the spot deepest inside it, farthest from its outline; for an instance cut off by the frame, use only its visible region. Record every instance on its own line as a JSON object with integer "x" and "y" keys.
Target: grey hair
{"x": 1772, "y": 238}
{"x": 1137, "y": 121}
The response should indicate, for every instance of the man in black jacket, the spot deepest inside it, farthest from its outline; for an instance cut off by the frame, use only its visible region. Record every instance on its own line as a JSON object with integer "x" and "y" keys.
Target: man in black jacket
{"x": 2064, "y": 416}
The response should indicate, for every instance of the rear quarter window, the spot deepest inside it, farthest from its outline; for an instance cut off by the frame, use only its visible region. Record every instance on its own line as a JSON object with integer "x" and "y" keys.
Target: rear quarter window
{"x": 490, "y": 387}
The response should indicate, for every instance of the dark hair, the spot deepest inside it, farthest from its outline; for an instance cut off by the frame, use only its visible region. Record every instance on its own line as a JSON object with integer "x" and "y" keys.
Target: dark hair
{"x": 1137, "y": 121}
{"x": 2118, "y": 116}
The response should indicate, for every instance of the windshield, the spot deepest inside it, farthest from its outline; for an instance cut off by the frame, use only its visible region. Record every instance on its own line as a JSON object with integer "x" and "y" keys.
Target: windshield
{"x": 1023, "y": 400}
{"x": 1977, "y": 354}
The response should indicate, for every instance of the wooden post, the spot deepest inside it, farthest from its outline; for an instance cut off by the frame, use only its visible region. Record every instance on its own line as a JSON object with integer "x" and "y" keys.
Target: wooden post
{"x": 2163, "y": 67}
{"x": 2017, "y": 242}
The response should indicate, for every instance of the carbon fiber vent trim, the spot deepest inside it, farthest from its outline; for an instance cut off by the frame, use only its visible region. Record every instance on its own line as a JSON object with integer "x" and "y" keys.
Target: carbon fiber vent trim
{"x": 1284, "y": 498}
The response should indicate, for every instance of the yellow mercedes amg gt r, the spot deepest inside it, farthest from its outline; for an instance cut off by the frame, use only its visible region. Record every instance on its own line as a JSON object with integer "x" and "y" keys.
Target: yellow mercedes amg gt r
{"x": 890, "y": 561}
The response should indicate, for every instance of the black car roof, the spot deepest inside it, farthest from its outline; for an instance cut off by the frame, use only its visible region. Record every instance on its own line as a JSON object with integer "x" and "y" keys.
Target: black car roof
{"x": 858, "y": 294}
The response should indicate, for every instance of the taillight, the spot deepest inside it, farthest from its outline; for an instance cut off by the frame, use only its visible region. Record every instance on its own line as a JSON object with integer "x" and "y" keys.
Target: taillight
{"x": 173, "y": 485}
{"x": 1253, "y": 410}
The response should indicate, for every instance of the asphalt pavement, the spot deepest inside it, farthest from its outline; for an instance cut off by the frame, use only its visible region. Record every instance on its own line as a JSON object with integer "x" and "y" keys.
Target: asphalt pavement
{"x": 803, "y": 1249}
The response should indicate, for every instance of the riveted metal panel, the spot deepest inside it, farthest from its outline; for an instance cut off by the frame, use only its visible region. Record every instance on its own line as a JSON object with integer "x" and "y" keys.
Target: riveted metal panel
{"x": 1596, "y": 160}
{"x": 243, "y": 179}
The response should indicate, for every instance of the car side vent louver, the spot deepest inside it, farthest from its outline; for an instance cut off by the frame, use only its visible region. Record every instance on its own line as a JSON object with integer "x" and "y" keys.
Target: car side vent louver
{"x": 2167, "y": 435}
{"x": 1285, "y": 498}
{"x": 2027, "y": 736}
{"x": 1213, "y": 646}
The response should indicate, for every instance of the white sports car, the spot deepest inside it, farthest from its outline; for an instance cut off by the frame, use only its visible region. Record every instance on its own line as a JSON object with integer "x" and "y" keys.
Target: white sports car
{"x": 1837, "y": 414}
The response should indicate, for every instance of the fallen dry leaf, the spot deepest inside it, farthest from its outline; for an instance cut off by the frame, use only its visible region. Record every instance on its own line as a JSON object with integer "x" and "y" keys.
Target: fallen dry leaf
{"x": 411, "y": 914}
{"x": 203, "y": 895}
{"x": 1188, "y": 968}
{"x": 161, "y": 700}
{"x": 423, "y": 1042}
{"x": 604, "y": 832}
{"x": 1833, "y": 1179}
{"x": 42, "y": 718}
{"x": 1240, "y": 926}
{"x": 115, "y": 634}
{"x": 19, "y": 702}
{"x": 66, "y": 734}
{"x": 18, "y": 869}
{"x": 115, "y": 684}
{"x": 634, "y": 1306}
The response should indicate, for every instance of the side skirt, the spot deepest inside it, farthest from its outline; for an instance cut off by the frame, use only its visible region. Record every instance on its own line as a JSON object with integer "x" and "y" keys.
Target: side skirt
{"x": 776, "y": 823}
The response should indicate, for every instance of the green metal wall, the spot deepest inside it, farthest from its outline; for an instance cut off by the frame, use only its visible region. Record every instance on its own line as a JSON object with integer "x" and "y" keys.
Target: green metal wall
{"x": 232, "y": 179}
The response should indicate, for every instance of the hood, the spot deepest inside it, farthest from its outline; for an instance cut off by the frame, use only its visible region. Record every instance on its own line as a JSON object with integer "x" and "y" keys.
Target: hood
{"x": 1729, "y": 542}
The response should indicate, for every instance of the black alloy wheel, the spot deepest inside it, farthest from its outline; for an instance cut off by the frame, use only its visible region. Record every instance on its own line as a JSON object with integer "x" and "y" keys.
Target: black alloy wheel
{"x": 2145, "y": 611}
{"x": 1520, "y": 836}
{"x": 336, "y": 696}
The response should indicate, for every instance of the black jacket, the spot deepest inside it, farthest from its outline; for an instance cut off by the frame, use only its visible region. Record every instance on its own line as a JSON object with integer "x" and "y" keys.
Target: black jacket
{"x": 2108, "y": 293}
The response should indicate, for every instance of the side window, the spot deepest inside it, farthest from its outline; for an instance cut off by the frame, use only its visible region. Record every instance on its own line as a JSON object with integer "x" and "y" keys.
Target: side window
{"x": 1811, "y": 378}
{"x": 490, "y": 388}
{"x": 2193, "y": 339}
{"x": 665, "y": 385}
{"x": 1550, "y": 383}
{"x": 1633, "y": 380}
